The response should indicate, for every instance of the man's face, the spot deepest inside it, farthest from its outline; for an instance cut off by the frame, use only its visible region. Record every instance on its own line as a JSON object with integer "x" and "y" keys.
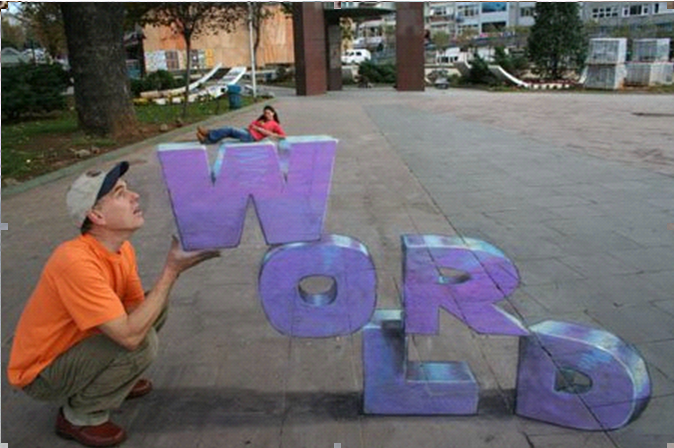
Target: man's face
{"x": 120, "y": 208}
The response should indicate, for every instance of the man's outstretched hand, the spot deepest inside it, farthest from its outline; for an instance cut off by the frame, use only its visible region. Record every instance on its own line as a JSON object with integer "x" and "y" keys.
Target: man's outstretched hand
{"x": 179, "y": 260}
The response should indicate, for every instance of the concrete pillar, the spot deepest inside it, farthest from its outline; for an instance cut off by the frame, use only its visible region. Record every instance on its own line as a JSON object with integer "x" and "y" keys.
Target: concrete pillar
{"x": 410, "y": 46}
{"x": 310, "y": 48}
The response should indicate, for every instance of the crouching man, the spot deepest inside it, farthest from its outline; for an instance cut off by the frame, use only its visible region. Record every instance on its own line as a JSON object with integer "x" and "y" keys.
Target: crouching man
{"x": 88, "y": 331}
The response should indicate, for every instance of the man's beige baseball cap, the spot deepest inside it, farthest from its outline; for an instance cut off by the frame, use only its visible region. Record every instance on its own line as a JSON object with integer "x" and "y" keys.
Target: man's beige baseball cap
{"x": 89, "y": 188}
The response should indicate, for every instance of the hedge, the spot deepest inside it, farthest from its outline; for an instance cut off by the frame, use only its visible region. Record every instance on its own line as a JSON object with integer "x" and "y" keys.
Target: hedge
{"x": 33, "y": 89}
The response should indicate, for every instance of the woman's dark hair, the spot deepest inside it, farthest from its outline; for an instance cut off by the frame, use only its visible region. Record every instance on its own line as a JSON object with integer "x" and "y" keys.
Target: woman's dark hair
{"x": 276, "y": 119}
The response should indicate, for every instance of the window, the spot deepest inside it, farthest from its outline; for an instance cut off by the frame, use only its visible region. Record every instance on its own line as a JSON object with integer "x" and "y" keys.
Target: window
{"x": 527, "y": 11}
{"x": 172, "y": 61}
{"x": 656, "y": 8}
{"x": 488, "y": 7}
{"x": 644, "y": 10}
{"x": 600, "y": 13}
{"x": 635, "y": 10}
{"x": 626, "y": 12}
{"x": 468, "y": 10}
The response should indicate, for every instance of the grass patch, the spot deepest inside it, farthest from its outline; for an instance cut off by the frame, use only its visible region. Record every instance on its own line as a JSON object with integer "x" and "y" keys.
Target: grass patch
{"x": 662, "y": 89}
{"x": 152, "y": 113}
{"x": 38, "y": 145}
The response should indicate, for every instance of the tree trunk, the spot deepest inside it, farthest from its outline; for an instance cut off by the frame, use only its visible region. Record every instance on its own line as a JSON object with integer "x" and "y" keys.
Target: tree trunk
{"x": 188, "y": 46}
{"x": 98, "y": 61}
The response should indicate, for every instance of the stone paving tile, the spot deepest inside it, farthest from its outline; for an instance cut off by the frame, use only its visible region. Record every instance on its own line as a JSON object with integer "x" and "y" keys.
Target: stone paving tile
{"x": 587, "y": 440}
{"x": 656, "y": 354}
{"x": 543, "y": 271}
{"x": 650, "y": 259}
{"x": 391, "y": 432}
{"x": 565, "y": 297}
{"x": 635, "y": 324}
{"x": 662, "y": 281}
{"x": 662, "y": 386}
{"x": 647, "y": 431}
{"x": 597, "y": 265}
{"x": 665, "y": 305}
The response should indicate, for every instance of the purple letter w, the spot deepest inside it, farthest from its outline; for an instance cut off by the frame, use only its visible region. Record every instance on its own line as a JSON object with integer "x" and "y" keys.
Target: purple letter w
{"x": 289, "y": 188}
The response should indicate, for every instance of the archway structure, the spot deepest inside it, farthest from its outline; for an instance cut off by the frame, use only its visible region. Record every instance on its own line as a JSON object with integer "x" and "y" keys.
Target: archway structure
{"x": 318, "y": 45}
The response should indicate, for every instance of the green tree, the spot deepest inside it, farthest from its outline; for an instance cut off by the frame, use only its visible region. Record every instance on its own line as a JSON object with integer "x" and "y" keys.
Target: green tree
{"x": 557, "y": 42}
{"x": 389, "y": 33}
{"x": 94, "y": 33}
{"x": 12, "y": 35}
{"x": 45, "y": 22}
{"x": 441, "y": 39}
{"x": 190, "y": 20}
{"x": 466, "y": 39}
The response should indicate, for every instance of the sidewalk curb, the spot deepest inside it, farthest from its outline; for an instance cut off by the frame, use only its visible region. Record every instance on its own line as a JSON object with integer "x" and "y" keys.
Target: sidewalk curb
{"x": 119, "y": 152}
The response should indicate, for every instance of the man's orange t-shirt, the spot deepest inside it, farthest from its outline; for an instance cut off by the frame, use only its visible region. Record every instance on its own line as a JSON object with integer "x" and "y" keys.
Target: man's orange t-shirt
{"x": 83, "y": 285}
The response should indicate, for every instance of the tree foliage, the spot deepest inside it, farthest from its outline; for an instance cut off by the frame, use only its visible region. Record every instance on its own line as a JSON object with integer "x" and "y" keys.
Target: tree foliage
{"x": 12, "y": 35}
{"x": 557, "y": 42}
{"x": 44, "y": 21}
{"x": 190, "y": 20}
{"x": 441, "y": 39}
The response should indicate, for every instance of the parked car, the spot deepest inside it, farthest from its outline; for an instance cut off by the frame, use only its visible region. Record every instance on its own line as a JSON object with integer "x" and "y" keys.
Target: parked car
{"x": 355, "y": 56}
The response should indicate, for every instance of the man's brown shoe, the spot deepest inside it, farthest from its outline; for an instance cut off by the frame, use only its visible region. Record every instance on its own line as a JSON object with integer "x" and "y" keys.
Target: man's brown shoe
{"x": 105, "y": 434}
{"x": 142, "y": 387}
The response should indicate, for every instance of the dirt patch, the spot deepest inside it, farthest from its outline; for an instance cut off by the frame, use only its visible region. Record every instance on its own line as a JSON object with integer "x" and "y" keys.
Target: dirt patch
{"x": 52, "y": 151}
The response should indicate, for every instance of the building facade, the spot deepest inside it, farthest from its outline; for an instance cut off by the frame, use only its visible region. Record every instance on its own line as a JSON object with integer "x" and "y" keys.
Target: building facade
{"x": 651, "y": 19}
{"x": 477, "y": 18}
{"x": 165, "y": 50}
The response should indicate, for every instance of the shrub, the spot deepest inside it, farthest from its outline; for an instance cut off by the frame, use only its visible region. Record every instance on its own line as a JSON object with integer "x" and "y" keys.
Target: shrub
{"x": 515, "y": 64}
{"x": 284, "y": 74}
{"x": 480, "y": 74}
{"x": 32, "y": 89}
{"x": 159, "y": 80}
{"x": 377, "y": 73}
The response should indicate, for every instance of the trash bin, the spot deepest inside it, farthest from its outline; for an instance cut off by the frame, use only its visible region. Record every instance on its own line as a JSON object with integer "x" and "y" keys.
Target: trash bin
{"x": 234, "y": 95}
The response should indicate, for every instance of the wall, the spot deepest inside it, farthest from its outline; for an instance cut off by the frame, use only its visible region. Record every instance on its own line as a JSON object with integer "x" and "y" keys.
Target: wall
{"x": 276, "y": 44}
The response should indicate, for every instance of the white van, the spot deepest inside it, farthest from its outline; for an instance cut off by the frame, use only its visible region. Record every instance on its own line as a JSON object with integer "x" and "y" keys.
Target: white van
{"x": 355, "y": 56}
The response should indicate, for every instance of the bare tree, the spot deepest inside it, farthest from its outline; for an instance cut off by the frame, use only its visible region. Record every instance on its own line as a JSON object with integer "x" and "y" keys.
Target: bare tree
{"x": 190, "y": 20}
{"x": 259, "y": 12}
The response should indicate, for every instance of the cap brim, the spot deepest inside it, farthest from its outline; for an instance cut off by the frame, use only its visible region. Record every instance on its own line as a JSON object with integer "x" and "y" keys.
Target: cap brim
{"x": 111, "y": 178}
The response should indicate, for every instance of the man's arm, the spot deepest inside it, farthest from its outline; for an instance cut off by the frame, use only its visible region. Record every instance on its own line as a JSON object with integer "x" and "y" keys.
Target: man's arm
{"x": 130, "y": 330}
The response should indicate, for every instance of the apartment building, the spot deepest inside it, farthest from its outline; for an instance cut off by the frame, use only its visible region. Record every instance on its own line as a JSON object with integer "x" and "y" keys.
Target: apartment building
{"x": 477, "y": 18}
{"x": 650, "y": 17}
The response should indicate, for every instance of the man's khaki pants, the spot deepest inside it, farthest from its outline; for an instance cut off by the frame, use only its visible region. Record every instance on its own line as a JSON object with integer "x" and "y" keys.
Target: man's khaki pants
{"x": 95, "y": 376}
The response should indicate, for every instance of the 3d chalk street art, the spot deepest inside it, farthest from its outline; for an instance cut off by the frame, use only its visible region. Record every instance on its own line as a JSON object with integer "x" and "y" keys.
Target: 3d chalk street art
{"x": 568, "y": 374}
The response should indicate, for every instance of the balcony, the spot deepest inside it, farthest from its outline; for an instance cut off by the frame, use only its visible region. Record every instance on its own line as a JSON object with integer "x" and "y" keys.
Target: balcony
{"x": 441, "y": 18}
{"x": 359, "y": 9}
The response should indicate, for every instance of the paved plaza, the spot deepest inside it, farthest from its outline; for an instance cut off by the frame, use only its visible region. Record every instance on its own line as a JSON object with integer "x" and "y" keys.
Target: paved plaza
{"x": 575, "y": 188}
